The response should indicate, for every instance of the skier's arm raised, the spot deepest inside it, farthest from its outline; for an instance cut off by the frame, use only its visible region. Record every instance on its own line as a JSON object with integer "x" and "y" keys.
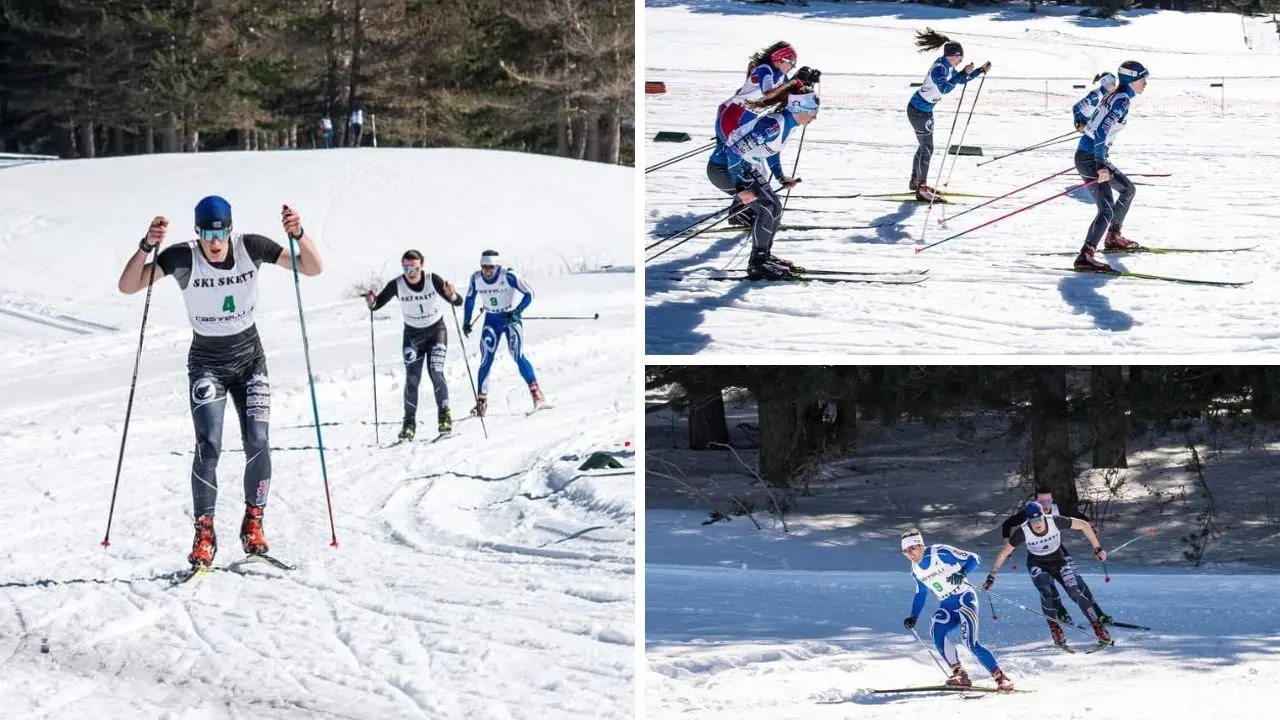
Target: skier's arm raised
{"x": 308, "y": 257}
{"x": 1087, "y": 529}
{"x": 138, "y": 273}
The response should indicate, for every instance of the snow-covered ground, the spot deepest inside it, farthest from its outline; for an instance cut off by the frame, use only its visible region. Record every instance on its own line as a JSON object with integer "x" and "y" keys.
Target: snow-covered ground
{"x": 475, "y": 578}
{"x": 746, "y": 622}
{"x": 988, "y": 291}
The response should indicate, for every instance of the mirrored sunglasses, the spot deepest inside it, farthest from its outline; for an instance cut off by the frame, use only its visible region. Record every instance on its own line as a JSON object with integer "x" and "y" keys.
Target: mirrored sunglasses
{"x": 411, "y": 269}
{"x": 211, "y": 234}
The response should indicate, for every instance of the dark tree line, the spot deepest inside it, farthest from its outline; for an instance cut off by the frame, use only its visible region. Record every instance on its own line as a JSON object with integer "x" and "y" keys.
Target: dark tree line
{"x": 807, "y": 411}
{"x": 83, "y": 78}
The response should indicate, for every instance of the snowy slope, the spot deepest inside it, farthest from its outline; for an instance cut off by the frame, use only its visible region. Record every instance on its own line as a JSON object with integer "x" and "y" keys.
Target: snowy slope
{"x": 477, "y": 578}
{"x": 987, "y": 292}
{"x": 735, "y": 630}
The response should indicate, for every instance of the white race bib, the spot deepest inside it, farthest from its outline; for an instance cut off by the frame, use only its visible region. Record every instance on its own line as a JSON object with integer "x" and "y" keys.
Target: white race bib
{"x": 221, "y": 302}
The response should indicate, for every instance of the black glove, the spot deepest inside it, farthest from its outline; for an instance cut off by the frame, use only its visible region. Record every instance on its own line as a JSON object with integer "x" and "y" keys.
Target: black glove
{"x": 808, "y": 75}
{"x": 986, "y": 67}
{"x": 991, "y": 580}
{"x": 1080, "y": 127}
{"x": 957, "y": 577}
{"x": 909, "y": 623}
{"x": 466, "y": 329}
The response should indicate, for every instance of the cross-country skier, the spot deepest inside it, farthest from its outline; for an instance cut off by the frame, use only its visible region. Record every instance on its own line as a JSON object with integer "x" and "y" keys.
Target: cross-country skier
{"x": 765, "y": 84}
{"x": 425, "y": 336}
{"x": 941, "y": 79}
{"x": 1083, "y": 111}
{"x": 495, "y": 287}
{"x": 1048, "y": 560}
{"x": 744, "y": 171}
{"x": 218, "y": 275}
{"x": 1093, "y": 164}
{"x": 942, "y": 570}
{"x": 1044, "y": 497}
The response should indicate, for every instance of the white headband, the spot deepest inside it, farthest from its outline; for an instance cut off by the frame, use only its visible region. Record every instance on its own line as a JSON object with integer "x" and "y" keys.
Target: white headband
{"x": 911, "y": 541}
{"x": 489, "y": 260}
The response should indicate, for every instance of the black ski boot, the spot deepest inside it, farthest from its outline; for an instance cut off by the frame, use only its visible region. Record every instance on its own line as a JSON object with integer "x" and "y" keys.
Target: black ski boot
{"x": 409, "y": 429}
{"x": 761, "y": 267}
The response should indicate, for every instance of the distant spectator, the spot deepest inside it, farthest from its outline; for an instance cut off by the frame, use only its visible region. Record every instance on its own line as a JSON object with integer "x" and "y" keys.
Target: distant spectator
{"x": 326, "y": 129}
{"x": 357, "y": 124}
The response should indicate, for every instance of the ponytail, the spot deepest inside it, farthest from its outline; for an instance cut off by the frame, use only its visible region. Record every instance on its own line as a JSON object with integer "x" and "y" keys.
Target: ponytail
{"x": 930, "y": 39}
{"x": 763, "y": 57}
{"x": 1098, "y": 77}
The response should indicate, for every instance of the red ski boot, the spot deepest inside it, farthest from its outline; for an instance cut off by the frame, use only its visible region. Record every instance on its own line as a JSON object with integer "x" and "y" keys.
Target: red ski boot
{"x": 482, "y": 404}
{"x": 1059, "y": 639}
{"x": 1101, "y": 632}
{"x": 535, "y": 392}
{"x": 959, "y": 678}
{"x": 1116, "y": 242}
{"x": 1086, "y": 262}
{"x": 1003, "y": 683}
{"x": 251, "y": 537}
{"x": 205, "y": 545}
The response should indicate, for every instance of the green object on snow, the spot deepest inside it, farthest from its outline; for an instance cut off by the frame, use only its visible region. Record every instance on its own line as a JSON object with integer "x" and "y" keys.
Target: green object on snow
{"x": 600, "y": 461}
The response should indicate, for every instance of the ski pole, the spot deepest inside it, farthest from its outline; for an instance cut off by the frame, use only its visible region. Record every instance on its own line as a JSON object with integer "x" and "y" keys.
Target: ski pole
{"x": 133, "y": 386}
{"x": 930, "y": 651}
{"x": 1006, "y": 215}
{"x": 1042, "y": 144}
{"x": 467, "y": 362}
{"x": 595, "y": 316}
{"x": 1011, "y": 192}
{"x": 1015, "y": 603}
{"x": 941, "y": 166}
{"x": 678, "y": 158}
{"x": 965, "y": 131}
{"x": 684, "y": 240}
{"x": 1145, "y": 533}
{"x": 795, "y": 167}
{"x": 687, "y": 228}
{"x": 311, "y": 381}
{"x": 373, "y": 365}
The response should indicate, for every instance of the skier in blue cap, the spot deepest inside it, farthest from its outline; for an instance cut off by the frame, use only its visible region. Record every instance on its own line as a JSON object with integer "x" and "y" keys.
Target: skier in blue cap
{"x": 218, "y": 275}
{"x": 1048, "y": 560}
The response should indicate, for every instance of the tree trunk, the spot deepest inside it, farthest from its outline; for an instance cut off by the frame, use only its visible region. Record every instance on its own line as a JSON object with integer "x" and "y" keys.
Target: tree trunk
{"x": 592, "y": 126}
{"x": 563, "y": 146}
{"x": 846, "y": 429}
{"x": 149, "y": 139}
{"x": 169, "y": 137}
{"x": 333, "y": 64}
{"x": 579, "y": 132}
{"x": 242, "y": 139}
{"x": 706, "y": 416}
{"x": 1265, "y": 402}
{"x": 353, "y": 81}
{"x": 87, "y": 149}
{"x": 117, "y": 141}
{"x": 780, "y": 434}
{"x": 66, "y": 141}
{"x": 1110, "y": 416}
{"x": 1051, "y": 459}
{"x": 611, "y": 135}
